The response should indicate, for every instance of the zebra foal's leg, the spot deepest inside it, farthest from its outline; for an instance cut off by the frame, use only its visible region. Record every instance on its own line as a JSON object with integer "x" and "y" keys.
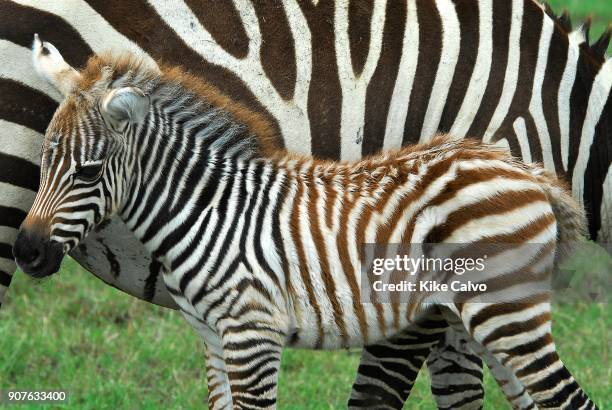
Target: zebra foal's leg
{"x": 513, "y": 389}
{"x": 219, "y": 394}
{"x": 522, "y": 342}
{"x": 388, "y": 369}
{"x": 252, "y": 353}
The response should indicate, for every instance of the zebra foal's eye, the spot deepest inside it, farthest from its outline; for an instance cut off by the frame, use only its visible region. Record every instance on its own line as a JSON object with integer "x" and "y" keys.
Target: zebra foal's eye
{"x": 88, "y": 172}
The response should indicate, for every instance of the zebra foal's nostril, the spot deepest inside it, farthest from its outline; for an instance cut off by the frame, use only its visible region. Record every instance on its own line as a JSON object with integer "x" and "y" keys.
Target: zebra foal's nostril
{"x": 36, "y": 254}
{"x": 29, "y": 250}
{"x": 30, "y": 255}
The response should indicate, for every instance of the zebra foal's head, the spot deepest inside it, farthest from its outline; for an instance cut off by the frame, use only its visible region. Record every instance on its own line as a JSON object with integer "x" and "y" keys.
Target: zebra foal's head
{"x": 83, "y": 171}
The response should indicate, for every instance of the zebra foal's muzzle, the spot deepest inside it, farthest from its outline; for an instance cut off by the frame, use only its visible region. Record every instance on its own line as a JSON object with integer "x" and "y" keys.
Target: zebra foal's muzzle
{"x": 36, "y": 254}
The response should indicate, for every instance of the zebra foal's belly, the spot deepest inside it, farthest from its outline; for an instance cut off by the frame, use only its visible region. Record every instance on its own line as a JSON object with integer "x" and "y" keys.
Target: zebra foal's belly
{"x": 307, "y": 330}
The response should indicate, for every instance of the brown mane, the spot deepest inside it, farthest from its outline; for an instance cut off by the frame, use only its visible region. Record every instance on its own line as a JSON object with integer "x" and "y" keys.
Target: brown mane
{"x": 121, "y": 64}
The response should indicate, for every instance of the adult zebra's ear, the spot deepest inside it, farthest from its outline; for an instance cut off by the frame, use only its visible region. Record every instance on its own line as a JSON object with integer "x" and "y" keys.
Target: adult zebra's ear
{"x": 125, "y": 105}
{"x": 50, "y": 64}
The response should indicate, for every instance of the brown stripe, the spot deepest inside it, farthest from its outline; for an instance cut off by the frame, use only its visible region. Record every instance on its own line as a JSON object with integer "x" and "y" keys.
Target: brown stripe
{"x": 21, "y": 22}
{"x": 364, "y": 187}
{"x": 224, "y": 24}
{"x": 381, "y": 202}
{"x": 523, "y": 234}
{"x": 532, "y": 137}
{"x": 359, "y": 32}
{"x": 467, "y": 13}
{"x": 383, "y": 233}
{"x": 294, "y": 226}
{"x": 277, "y": 236}
{"x": 467, "y": 177}
{"x": 277, "y": 48}
{"x": 332, "y": 194}
{"x": 139, "y": 22}
{"x": 513, "y": 329}
{"x": 347, "y": 265}
{"x": 498, "y": 310}
{"x": 500, "y": 203}
{"x": 502, "y": 12}
{"x": 380, "y": 89}
{"x": 433, "y": 173}
{"x": 430, "y": 28}
{"x": 326, "y": 274}
{"x": 524, "y": 349}
{"x": 324, "y": 95}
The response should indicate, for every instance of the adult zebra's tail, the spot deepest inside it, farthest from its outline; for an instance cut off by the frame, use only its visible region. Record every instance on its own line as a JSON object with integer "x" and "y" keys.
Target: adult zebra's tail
{"x": 572, "y": 225}
{"x": 571, "y": 219}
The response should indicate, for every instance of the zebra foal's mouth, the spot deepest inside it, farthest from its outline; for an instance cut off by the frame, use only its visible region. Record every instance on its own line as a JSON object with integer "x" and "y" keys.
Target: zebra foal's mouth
{"x": 36, "y": 255}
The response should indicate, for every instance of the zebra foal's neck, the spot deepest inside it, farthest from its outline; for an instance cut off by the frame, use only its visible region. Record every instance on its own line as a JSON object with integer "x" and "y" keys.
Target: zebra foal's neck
{"x": 195, "y": 150}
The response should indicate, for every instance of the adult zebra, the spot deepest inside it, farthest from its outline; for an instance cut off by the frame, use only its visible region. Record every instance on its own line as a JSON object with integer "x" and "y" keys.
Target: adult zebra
{"x": 528, "y": 76}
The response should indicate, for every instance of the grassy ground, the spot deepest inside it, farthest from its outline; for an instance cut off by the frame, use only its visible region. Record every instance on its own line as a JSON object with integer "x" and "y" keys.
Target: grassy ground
{"x": 109, "y": 350}
{"x": 112, "y": 351}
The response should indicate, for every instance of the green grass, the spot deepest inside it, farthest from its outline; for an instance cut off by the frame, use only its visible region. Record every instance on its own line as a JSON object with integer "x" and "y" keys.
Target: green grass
{"x": 109, "y": 350}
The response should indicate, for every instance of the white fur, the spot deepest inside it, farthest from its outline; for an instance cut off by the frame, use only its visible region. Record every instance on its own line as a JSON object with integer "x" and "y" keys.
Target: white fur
{"x": 50, "y": 64}
{"x": 451, "y": 41}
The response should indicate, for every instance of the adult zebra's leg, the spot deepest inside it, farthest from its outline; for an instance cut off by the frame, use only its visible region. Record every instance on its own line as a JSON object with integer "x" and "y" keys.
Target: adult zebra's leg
{"x": 12, "y": 201}
{"x": 7, "y": 266}
{"x": 388, "y": 369}
{"x": 456, "y": 373}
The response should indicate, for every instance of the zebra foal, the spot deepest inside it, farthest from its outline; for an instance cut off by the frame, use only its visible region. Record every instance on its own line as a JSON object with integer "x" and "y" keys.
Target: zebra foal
{"x": 261, "y": 250}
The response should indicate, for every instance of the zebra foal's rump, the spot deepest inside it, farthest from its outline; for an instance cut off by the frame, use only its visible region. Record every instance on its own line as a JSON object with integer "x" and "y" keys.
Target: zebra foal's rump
{"x": 189, "y": 173}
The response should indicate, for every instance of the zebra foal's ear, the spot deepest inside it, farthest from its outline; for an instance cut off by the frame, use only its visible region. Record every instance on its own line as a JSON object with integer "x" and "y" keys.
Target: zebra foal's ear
{"x": 50, "y": 64}
{"x": 125, "y": 105}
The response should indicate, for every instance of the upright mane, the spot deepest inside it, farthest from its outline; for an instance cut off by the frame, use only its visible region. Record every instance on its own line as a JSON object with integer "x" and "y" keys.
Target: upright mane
{"x": 597, "y": 51}
{"x": 104, "y": 69}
